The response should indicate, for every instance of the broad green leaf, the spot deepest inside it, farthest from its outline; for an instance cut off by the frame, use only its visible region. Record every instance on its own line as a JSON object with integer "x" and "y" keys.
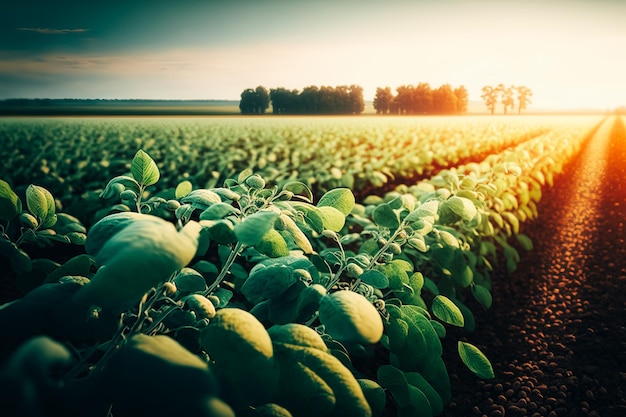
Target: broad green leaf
{"x": 272, "y": 244}
{"x": 252, "y": 229}
{"x": 419, "y": 403}
{"x": 268, "y": 282}
{"x": 350, "y": 317}
{"x": 201, "y": 198}
{"x": 462, "y": 207}
{"x": 10, "y": 204}
{"x": 118, "y": 184}
{"x": 190, "y": 280}
{"x": 222, "y": 232}
{"x": 332, "y": 218}
{"x": 482, "y": 295}
{"x": 434, "y": 399}
{"x": 183, "y": 188}
{"x": 393, "y": 379}
{"x": 218, "y": 211}
{"x": 435, "y": 372}
{"x": 144, "y": 169}
{"x": 385, "y": 216}
{"x": 525, "y": 242}
{"x": 375, "y": 278}
{"x": 374, "y": 394}
{"x": 341, "y": 199}
{"x": 475, "y": 360}
{"x": 427, "y": 209}
{"x": 299, "y": 189}
{"x": 298, "y": 235}
{"x": 398, "y": 331}
{"x": 445, "y": 310}
{"x": 41, "y": 204}
{"x": 439, "y": 328}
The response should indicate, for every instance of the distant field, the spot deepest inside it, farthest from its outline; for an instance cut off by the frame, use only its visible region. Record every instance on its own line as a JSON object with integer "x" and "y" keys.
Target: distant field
{"x": 118, "y": 107}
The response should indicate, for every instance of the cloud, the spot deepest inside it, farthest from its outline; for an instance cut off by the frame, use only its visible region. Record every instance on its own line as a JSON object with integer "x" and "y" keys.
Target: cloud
{"x": 48, "y": 31}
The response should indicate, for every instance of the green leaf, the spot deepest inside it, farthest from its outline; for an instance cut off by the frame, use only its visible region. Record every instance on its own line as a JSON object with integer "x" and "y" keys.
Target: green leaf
{"x": 445, "y": 310}
{"x": 341, "y": 199}
{"x": 190, "y": 280}
{"x": 118, "y": 184}
{"x": 300, "y": 189}
{"x": 419, "y": 403}
{"x": 439, "y": 328}
{"x": 482, "y": 295}
{"x": 10, "y": 204}
{"x": 272, "y": 244}
{"x": 268, "y": 282}
{"x": 475, "y": 360}
{"x": 398, "y": 331}
{"x": 252, "y": 229}
{"x": 385, "y": 216}
{"x": 375, "y": 278}
{"x": 332, "y": 218}
{"x": 393, "y": 379}
{"x": 462, "y": 207}
{"x": 41, "y": 204}
{"x": 374, "y": 394}
{"x": 525, "y": 242}
{"x": 182, "y": 189}
{"x": 144, "y": 169}
{"x": 434, "y": 399}
{"x": 218, "y": 211}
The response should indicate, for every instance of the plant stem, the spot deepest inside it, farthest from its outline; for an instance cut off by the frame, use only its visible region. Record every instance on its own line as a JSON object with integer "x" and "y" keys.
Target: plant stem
{"x": 225, "y": 269}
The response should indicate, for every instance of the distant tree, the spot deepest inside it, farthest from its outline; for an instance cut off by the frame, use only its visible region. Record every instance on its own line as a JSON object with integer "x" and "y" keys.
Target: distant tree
{"x": 247, "y": 104}
{"x": 507, "y": 98}
{"x": 357, "y": 103}
{"x": 310, "y": 99}
{"x": 284, "y": 101}
{"x": 254, "y": 101}
{"x": 444, "y": 100}
{"x": 490, "y": 96}
{"x": 262, "y": 99}
{"x": 523, "y": 98}
{"x": 382, "y": 100}
{"x": 403, "y": 99}
{"x": 462, "y": 97}
{"x": 422, "y": 99}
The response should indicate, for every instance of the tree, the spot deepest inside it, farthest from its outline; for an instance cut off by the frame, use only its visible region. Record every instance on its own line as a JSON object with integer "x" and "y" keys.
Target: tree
{"x": 254, "y": 101}
{"x": 462, "y": 97}
{"x": 444, "y": 100}
{"x": 490, "y": 96}
{"x": 248, "y": 101}
{"x": 262, "y": 99}
{"x": 357, "y": 104}
{"x": 423, "y": 99}
{"x": 507, "y": 98}
{"x": 523, "y": 98}
{"x": 382, "y": 100}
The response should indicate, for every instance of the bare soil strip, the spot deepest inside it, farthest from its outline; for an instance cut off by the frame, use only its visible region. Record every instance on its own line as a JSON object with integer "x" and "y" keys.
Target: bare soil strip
{"x": 556, "y": 334}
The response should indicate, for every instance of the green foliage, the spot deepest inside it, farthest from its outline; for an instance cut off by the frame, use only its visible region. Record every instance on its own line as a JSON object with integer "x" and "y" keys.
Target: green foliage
{"x": 243, "y": 271}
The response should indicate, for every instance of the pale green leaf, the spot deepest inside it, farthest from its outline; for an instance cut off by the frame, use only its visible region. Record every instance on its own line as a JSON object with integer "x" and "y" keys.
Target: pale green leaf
{"x": 252, "y": 229}
{"x": 341, "y": 199}
{"x": 445, "y": 310}
{"x": 475, "y": 360}
{"x": 144, "y": 169}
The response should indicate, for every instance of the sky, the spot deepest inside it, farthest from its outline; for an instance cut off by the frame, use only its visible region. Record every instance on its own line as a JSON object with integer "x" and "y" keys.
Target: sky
{"x": 570, "y": 53}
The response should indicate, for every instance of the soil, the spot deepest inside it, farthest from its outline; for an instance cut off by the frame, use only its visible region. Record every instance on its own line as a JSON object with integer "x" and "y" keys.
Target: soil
{"x": 556, "y": 333}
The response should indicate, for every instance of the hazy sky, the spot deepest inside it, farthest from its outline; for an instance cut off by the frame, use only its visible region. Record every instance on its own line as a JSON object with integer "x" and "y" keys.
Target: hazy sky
{"x": 571, "y": 53}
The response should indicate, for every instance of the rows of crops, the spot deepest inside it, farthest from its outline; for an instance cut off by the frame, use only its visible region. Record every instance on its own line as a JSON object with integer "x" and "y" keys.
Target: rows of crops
{"x": 73, "y": 156}
{"x": 241, "y": 241}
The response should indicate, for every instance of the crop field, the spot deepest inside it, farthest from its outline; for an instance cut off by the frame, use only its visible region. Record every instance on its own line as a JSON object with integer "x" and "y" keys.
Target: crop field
{"x": 304, "y": 266}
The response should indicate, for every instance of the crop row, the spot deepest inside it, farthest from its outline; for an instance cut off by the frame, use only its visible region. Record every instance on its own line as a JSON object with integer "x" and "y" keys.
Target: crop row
{"x": 304, "y": 305}
{"x": 73, "y": 157}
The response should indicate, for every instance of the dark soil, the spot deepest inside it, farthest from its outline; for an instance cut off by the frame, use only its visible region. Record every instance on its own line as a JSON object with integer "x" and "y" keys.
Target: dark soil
{"x": 556, "y": 333}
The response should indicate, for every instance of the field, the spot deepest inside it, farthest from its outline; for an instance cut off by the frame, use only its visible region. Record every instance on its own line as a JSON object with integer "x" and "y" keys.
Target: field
{"x": 339, "y": 252}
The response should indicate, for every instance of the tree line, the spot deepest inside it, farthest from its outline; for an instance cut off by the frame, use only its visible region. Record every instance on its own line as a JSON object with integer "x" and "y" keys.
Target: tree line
{"x": 421, "y": 99}
{"x": 311, "y": 100}
{"x": 506, "y": 95}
